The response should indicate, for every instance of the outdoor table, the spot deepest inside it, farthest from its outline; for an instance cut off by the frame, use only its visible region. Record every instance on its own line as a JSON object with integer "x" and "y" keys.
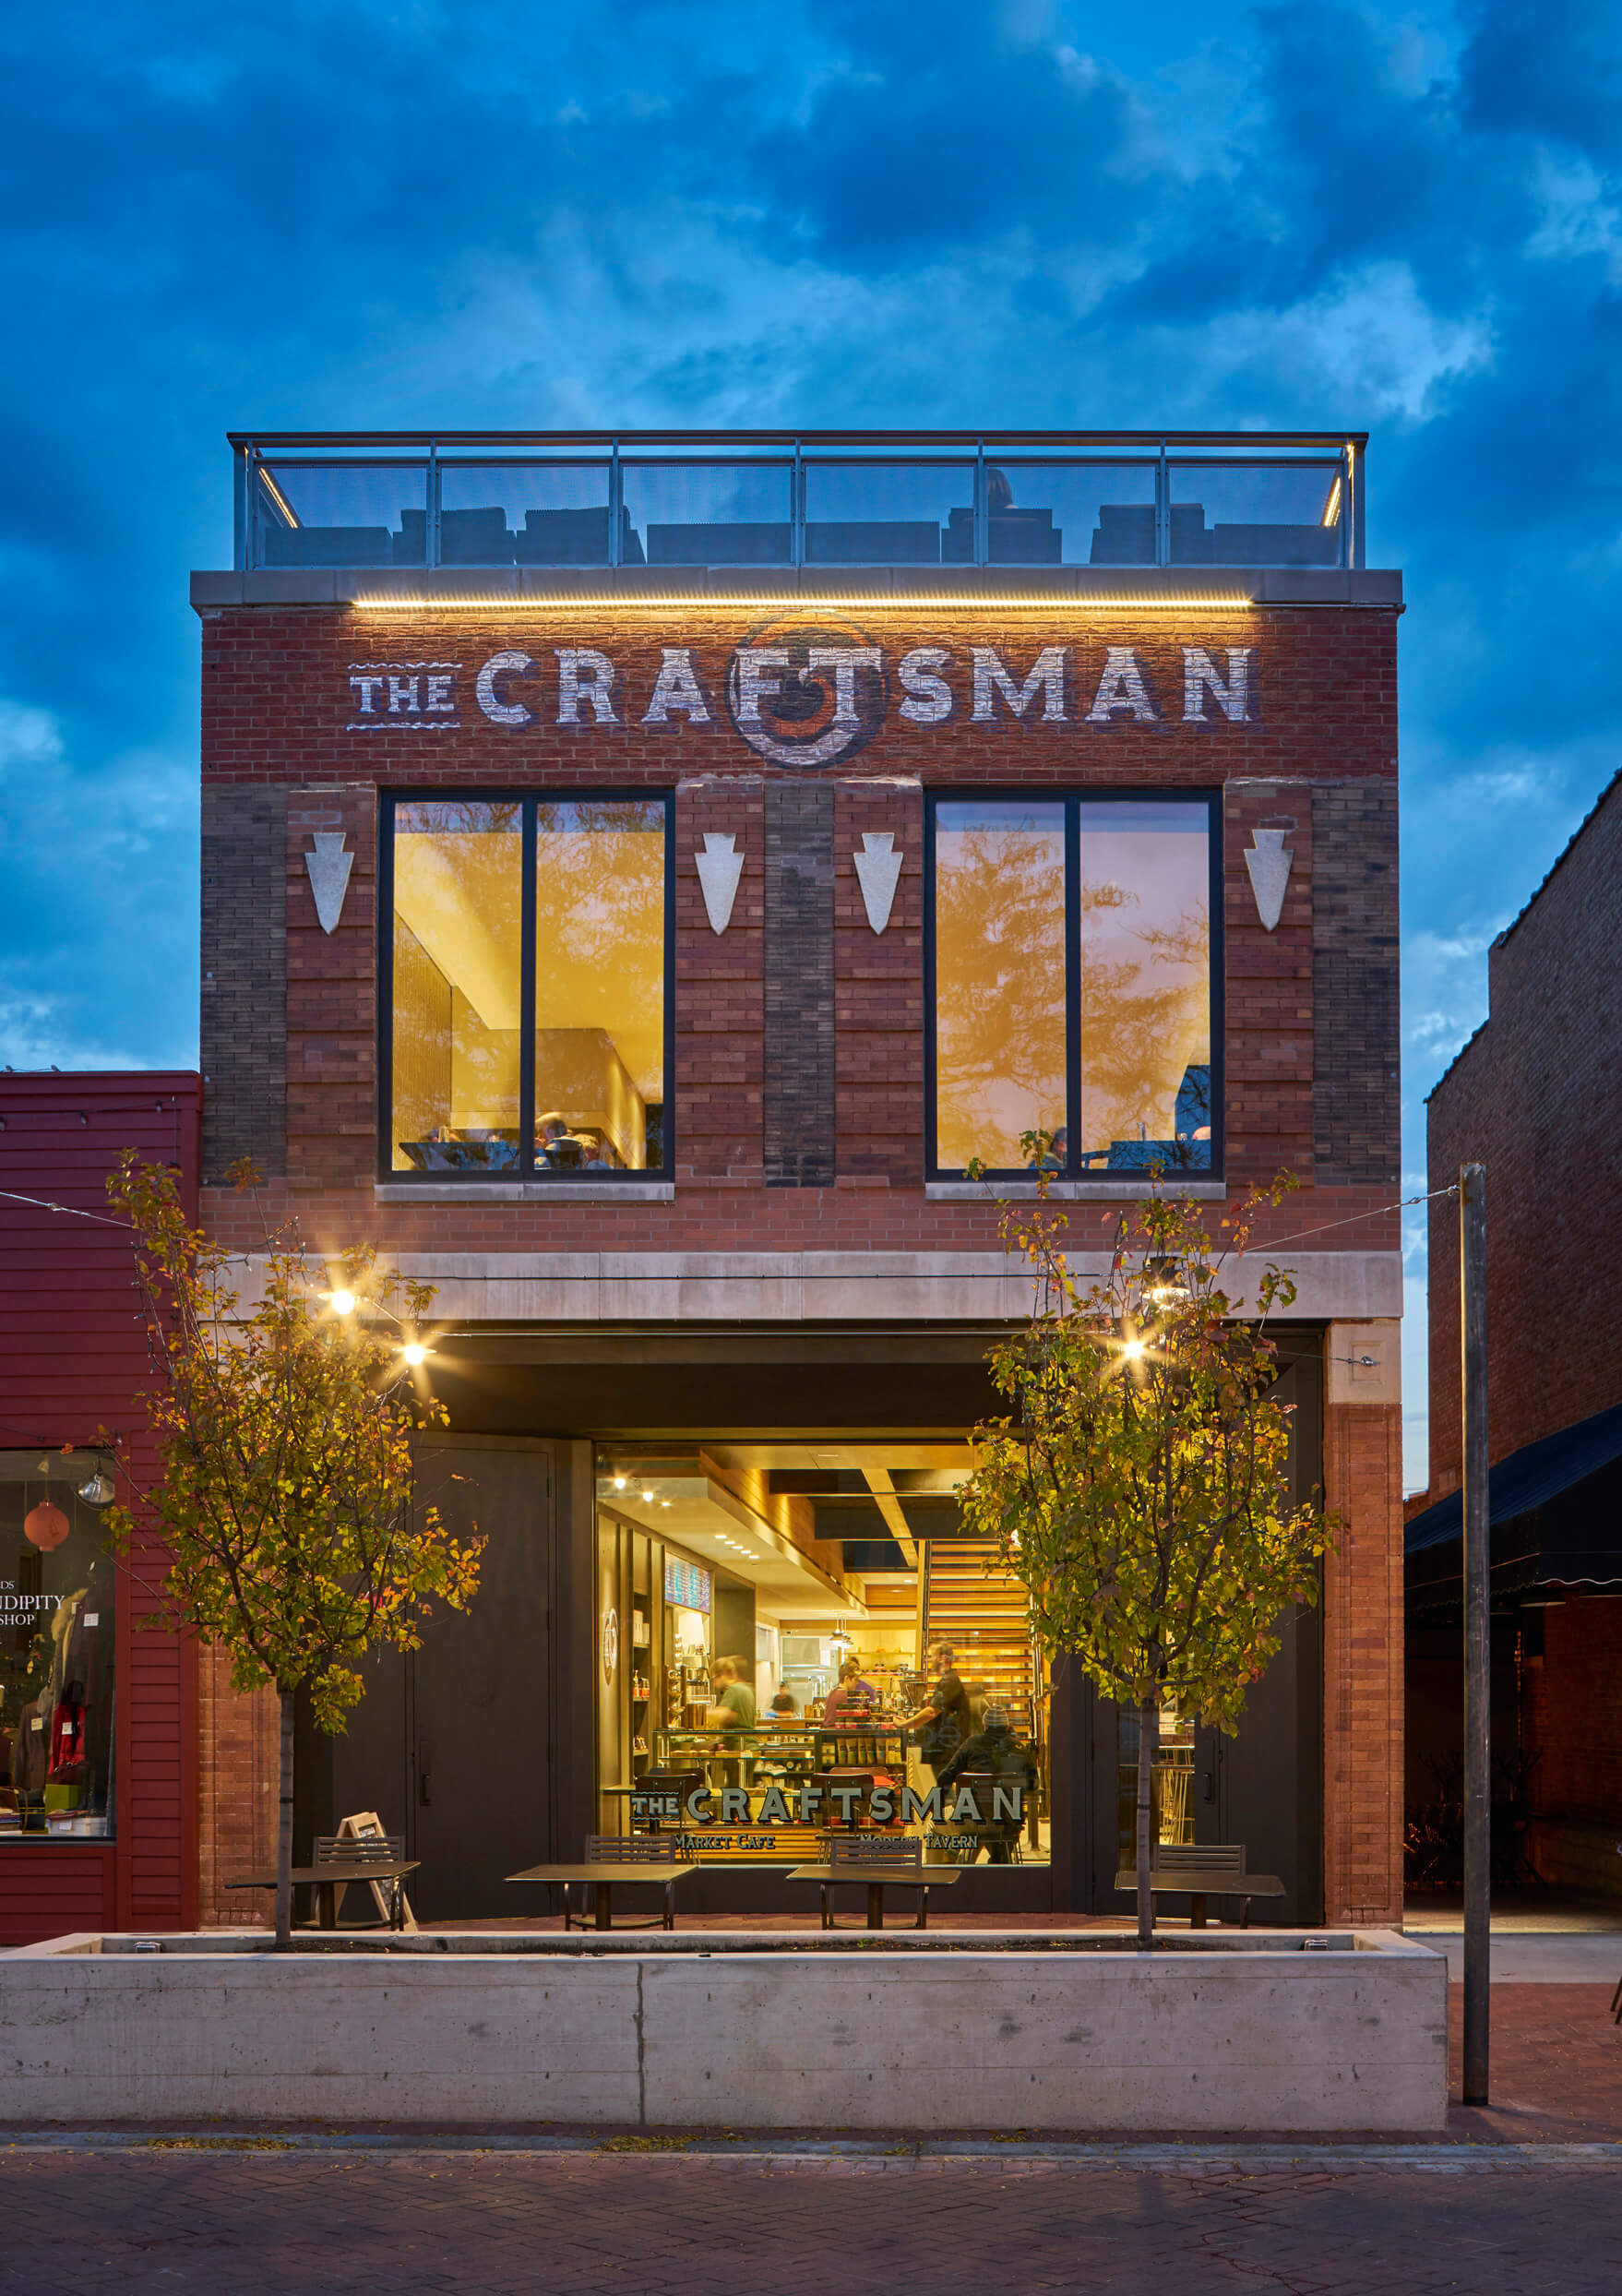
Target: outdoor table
{"x": 919, "y": 1877}
{"x": 330, "y": 1881}
{"x": 602, "y": 1878}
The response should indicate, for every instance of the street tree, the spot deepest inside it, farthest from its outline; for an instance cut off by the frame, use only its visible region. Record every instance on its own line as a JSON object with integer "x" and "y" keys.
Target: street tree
{"x": 286, "y": 1494}
{"x": 1138, "y": 1485}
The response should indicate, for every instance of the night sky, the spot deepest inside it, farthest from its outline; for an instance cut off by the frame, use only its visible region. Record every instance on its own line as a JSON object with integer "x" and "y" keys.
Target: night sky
{"x": 1398, "y": 219}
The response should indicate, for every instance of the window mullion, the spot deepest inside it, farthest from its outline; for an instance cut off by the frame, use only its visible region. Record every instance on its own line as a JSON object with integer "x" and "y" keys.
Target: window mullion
{"x": 1073, "y": 984}
{"x": 527, "y": 996}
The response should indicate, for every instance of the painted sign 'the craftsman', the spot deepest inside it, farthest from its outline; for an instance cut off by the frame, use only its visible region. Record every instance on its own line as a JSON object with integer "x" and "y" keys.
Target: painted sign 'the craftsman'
{"x": 807, "y": 693}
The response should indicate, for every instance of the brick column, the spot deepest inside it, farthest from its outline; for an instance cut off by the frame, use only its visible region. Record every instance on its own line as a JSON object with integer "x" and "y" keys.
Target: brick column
{"x": 719, "y": 989}
{"x": 1363, "y": 1635}
{"x": 238, "y": 1738}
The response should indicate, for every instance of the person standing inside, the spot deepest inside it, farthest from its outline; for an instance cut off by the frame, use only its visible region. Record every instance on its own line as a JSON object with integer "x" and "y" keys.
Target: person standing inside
{"x": 732, "y": 1712}
{"x": 851, "y": 1699}
{"x": 943, "y": 1722}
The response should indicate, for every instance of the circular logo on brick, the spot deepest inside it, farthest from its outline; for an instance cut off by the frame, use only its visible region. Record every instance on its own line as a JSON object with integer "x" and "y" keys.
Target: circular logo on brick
{"x": 807, "y": 690}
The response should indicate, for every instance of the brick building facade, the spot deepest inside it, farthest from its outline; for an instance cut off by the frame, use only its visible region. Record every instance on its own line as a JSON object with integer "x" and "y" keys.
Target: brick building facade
{"x": 1536, "y": 1097}
{"x": 800, "y": 1282}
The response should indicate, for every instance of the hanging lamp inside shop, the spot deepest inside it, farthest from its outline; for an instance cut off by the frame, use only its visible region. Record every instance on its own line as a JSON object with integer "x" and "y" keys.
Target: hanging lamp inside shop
{"x": 45, "y": 1526}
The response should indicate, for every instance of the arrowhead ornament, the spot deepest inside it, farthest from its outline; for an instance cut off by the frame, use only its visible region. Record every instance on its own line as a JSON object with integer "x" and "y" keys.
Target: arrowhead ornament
{"x": 328, "y": 869}
{"x": 720, "y": 867}
{"x": 878, "y": 869}
{"x": 1268, "y": 863}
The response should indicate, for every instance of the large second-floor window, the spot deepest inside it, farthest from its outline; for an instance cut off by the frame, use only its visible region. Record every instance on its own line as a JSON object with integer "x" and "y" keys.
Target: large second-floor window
{"x": 1073, "y": 970}
{"x": 526, "y": 956}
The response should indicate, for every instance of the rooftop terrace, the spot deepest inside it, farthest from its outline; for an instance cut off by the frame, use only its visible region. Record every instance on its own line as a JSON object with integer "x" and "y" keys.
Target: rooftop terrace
{"x": 735, "y": 499}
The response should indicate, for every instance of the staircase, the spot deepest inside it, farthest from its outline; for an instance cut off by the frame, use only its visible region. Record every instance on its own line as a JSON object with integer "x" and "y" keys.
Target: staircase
{"x": 970, "y": 1601}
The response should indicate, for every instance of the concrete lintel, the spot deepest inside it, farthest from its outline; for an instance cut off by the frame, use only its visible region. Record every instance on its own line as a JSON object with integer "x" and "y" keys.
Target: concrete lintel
{"x": 1358, "y": 1287}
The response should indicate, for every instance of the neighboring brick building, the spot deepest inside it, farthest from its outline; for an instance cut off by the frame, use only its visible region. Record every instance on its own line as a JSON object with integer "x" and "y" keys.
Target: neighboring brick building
{"x": 748, "y": 866}
{"x": 1536, "y": 1097}
{"x": 98, "y": 1722}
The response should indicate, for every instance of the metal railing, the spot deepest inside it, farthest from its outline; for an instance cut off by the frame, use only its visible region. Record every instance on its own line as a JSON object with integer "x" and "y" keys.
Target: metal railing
{"x": 769, "y": 498}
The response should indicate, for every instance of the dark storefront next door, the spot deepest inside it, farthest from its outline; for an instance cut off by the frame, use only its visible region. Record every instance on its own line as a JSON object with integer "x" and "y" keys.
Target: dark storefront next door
{"x": 452, "y": 1745}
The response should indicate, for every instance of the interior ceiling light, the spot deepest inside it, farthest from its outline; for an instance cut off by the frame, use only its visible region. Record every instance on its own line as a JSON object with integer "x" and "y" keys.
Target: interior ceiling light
{"x": 648, "y": 1498}
{"x": 619, "y": 1482}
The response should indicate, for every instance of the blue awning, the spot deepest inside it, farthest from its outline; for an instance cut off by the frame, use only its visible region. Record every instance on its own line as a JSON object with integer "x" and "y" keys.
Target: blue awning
{"x": 1556, "y": 1511}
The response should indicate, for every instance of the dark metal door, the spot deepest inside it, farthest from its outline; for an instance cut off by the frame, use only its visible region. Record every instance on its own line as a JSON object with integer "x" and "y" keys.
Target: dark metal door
{"x": 479, "y": 1691}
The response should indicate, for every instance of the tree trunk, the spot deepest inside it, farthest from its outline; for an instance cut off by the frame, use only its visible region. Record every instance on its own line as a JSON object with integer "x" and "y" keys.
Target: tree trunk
{"x": 1148, "y": 1743}
{"x": 284, "y": 1830}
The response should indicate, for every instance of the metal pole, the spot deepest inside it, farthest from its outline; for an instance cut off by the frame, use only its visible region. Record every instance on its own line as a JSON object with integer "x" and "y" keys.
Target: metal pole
{"x": 1478, "y": 1788}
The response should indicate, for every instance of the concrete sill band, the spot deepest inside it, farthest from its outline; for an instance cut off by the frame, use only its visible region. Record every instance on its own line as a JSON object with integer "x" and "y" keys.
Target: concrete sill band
{"x": 1251, "y": 2033}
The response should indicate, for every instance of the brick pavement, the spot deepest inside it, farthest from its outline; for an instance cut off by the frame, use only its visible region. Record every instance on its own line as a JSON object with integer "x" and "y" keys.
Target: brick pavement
{"x": 269, "y": 2223}
{"x": 261, "y": 2218}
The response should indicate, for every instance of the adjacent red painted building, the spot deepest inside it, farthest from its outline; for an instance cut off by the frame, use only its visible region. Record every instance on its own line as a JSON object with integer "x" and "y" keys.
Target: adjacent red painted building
{"x": 98, "y": 1717}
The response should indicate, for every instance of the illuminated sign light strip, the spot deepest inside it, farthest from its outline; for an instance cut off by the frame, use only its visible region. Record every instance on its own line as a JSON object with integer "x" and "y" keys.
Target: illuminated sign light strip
{"x": 632, "y": 603}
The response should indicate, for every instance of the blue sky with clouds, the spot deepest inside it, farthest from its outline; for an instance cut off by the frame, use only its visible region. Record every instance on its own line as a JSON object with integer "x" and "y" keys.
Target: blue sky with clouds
{"x": 443, "y": 212}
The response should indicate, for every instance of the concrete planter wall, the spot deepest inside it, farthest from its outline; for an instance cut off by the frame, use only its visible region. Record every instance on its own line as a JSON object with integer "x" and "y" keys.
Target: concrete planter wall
{"x": 1248, "y": 2040}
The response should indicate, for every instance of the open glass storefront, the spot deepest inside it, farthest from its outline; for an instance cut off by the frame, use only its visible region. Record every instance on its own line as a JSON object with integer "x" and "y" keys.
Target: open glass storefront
{"x": 795, "y": 1640}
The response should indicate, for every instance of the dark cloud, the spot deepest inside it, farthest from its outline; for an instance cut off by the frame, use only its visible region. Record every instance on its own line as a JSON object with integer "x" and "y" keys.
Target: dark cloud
{"x": 1409, "y": 219}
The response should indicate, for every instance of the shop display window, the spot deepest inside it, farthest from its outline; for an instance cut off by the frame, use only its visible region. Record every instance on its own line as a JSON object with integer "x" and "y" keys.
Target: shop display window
{"x": 547, "y": 1066}
{"x": 787, "y": 1673}
{"x": 1073, "y": 971}
{"x": 57, "y": 1648}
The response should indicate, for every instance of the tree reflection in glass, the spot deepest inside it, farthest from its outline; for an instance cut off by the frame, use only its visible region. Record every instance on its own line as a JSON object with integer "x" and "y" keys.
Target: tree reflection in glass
{"x": 999, "y": 913}
{"x": 1144, "y": 1024}
{"x": 599, "y": 943}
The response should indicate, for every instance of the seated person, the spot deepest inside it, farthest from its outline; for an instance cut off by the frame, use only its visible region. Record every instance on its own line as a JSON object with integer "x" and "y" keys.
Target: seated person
{"x": 996, "y": 1753}
{"x": 784, "y": 1709}
{"x": 558, "y": 1146}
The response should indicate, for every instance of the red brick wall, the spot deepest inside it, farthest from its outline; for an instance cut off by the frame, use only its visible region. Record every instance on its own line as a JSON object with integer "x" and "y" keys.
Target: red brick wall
{"x": 1571, "y": 1709}
{"x": 1362, "y": 1665}
{"x": 1536, "y": 1097}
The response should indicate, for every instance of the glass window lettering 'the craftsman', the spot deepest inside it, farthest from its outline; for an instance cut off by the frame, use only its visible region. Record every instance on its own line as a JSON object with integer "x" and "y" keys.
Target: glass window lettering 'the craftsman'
{"x": 1073, "y": 984}
{"x": 590, "y": 1010}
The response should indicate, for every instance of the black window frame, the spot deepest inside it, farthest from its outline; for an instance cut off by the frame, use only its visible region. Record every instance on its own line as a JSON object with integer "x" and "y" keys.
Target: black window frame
{"x": 524, "y": 1171}
{"x": 1075, "y": 802}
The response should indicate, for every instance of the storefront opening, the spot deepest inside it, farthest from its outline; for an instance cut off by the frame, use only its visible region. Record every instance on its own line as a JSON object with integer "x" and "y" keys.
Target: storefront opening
{"x": 795, "y": 1641}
